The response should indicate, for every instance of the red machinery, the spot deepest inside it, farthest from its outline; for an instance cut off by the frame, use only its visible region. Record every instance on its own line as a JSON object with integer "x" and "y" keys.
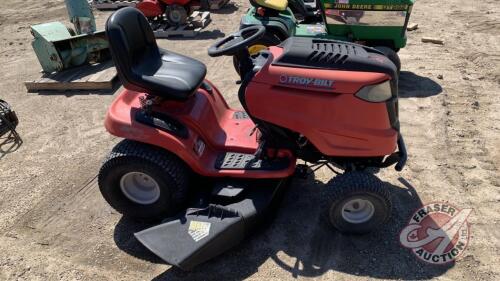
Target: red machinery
{"x": 176, "y": 11}
{"x": 212, "y": 172}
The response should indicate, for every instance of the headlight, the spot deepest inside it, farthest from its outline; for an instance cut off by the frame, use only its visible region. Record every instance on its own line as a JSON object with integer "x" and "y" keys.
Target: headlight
{"x": 375, "y": 93}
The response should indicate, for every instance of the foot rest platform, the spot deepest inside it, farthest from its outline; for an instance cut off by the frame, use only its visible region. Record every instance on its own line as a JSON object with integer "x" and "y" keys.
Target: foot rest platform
{"x": 242, "y": 161}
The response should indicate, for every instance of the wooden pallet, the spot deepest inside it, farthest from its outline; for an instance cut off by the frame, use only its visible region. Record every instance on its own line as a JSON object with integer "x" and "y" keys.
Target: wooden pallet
{"x": 197, "y": 21}
{"x": 113, "y": 4}
{"x": 101, "y": 76}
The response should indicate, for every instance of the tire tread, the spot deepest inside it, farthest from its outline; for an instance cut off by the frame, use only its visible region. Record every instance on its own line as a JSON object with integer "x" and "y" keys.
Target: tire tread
{"x": 353, "y": 183}
{"x": 169, "y": 163}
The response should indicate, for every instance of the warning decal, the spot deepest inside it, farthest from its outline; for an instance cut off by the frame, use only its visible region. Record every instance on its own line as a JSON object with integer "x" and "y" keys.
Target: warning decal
{"x": 198, "y": 230}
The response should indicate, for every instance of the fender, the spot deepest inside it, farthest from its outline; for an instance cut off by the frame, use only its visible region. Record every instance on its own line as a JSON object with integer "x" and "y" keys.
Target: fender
{"x": 205, "y": 129}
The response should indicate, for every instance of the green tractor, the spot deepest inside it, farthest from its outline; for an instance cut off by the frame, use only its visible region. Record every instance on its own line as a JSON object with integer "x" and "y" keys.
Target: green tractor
{"x": 380, "y": 24}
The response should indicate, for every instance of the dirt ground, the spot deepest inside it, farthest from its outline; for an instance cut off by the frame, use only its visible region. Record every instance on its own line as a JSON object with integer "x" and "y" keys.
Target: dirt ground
{"x": 54, "y": 224}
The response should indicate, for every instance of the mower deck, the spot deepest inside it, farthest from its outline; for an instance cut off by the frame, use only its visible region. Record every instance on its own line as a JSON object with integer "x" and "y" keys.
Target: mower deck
{"x": 221, "y": 221}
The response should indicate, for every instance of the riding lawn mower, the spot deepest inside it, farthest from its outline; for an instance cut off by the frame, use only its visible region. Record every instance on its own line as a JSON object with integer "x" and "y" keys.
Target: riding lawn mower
{"x": 174, "y": 12}
{"x": 380, "y": 24}
{"x": 207, "y": 174}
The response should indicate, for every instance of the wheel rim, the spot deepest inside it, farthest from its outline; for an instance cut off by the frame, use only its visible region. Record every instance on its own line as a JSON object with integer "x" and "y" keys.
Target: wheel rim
{"x": 175, "y": 16}
{"x": 357, "y": 210}
{"x": 140, "y": 188}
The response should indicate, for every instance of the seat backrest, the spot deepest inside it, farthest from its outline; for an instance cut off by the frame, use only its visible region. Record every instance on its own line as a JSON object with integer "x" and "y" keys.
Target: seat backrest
{"x": 131, "y": 41}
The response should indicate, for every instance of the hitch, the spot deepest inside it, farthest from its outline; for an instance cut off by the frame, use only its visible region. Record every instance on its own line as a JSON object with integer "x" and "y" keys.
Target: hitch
{"x": 399, "y": 158}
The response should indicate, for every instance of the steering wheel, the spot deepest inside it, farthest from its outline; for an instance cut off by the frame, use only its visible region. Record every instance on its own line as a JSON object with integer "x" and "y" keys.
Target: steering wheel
{"x": 231, "y": 44}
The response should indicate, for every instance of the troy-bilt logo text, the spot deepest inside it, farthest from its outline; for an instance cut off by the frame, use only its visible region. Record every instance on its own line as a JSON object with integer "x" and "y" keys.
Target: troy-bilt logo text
{"x": 306, "y": 81}
{"x": 437, "y": 233}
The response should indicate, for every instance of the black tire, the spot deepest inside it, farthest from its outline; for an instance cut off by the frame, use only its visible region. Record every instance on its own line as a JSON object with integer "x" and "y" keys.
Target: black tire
{"x": 269, "y": 39}
{"x": 8, "y": 119}
{"x": 166, "y": 169}
{"x": 356, "y": 185}
{"x": 176, "y": 14}
{"x": 391, "y": 55}
{"x": 205, "y": 5}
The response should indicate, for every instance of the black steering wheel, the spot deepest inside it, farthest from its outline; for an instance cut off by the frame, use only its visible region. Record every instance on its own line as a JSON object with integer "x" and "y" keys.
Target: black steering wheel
{"x": 231, "y": 44}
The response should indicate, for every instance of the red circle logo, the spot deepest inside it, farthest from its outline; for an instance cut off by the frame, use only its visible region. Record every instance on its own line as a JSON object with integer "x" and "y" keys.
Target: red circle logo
{"x": 437, "y": 233}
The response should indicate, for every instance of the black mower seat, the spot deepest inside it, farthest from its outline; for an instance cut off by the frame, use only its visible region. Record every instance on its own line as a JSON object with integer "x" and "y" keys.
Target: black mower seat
{"x": 144, "y": 67}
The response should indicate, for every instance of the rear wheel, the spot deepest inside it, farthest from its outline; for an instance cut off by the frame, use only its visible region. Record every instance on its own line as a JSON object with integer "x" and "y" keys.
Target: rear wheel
{"x": 143, "y": 182}
{"x": 391, "y": 55}
{"x": 269, "y": 39}
{"x": 176, "y": 14}
{"x": 356, "y": 202}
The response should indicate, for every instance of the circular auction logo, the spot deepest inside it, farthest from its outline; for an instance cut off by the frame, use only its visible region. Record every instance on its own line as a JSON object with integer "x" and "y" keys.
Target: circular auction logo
{"x": 283, "y": 78}
{"x": 437, "y": 233}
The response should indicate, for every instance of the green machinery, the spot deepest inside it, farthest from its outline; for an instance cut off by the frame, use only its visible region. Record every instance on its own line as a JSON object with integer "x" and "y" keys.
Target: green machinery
{"x": 59, "y": 47}
{"x": 376, "y": 23}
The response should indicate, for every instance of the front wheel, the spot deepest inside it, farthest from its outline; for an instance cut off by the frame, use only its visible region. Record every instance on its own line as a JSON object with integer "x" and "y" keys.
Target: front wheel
{"x": 356, "y": 203}
{"x": 143, "y": 182}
